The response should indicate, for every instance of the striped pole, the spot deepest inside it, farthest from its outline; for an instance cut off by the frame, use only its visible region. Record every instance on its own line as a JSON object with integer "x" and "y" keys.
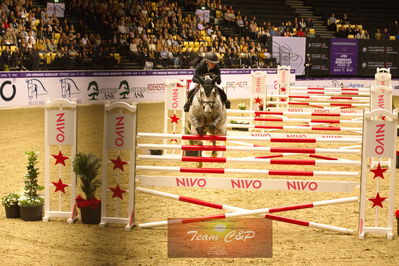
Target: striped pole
{"x": 246, "y": 160}
{"x": 246, "y": 171}
{"x": 299, "y": 111}
{"x": 306, "y": 120}
{"x": 331, "y": 89}
{"x": 329, "y": 128}
{"x": 243, "y": 212}
{"x": 324, "y": 98}
{"x": 244, "y": 148}
{"x": 354, "y": 139}
{"x": 329, "y": 93}
{"x": 321, "y": 104}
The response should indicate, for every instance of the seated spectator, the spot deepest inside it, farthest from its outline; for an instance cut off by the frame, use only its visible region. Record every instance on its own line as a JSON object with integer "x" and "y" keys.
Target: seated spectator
{"x": 341, "y": 32}
{"x": 299, "y": 32}
{"x": 364, "y": 35}
{"x": 385, "y": 34}
{"x": 378, "y": 34}
{"x": 346, "y": 20}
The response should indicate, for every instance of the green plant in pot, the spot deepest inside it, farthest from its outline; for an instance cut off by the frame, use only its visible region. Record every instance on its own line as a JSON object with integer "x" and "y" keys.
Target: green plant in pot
{"x": 10, "y": 203}
{"x": 30, "y": 202}
{"x": 87, "y": 166}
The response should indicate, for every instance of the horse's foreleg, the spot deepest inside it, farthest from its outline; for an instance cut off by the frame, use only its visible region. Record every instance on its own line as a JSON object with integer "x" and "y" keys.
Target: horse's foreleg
{"x": 214, "y": 153}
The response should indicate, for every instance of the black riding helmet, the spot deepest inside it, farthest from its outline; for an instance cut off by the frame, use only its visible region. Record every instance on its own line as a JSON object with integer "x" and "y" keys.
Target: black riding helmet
{"x": 211, "y": 57}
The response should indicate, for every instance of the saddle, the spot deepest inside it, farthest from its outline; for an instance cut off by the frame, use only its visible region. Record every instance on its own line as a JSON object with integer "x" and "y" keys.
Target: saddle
{"x": 190, "y": 96}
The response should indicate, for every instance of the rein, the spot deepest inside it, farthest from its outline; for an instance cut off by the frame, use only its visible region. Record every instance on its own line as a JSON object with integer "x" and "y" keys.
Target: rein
{"x": 204, "y": 103}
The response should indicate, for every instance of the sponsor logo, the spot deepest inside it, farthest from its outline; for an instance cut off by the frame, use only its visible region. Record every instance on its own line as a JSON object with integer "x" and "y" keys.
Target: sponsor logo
{"x": 156, "y": 87}
{"x": 355, "y": 85}
{"x": 124, "y": 89}
{"x": 238, "y": 84}
{"x": 7, "y": 91}
{"x": 93, "y": 90}
{"x": 68, "y": 88}
{"x": 35, "y": 88}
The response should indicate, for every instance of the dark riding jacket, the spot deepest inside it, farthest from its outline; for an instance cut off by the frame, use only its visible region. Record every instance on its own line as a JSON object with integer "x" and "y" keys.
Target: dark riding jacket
{"x": 202, "y": 69}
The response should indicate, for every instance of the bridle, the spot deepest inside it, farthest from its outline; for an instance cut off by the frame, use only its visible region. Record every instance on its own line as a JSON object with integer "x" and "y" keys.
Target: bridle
{"x": 205, "y": 103}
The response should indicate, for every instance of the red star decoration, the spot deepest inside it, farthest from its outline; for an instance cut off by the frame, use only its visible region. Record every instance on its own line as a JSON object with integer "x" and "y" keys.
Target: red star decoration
{"x": 117, "y": 191}
{"x": 378, "y": 172}
{"x": 174, "y": 119}
{"x": 383, "y": 117}
{"x": 377, "y": 201}
{"x": 257, "y": 114}
{"x": 118, "y": 163}
{"x": 283, "y": 99}
{"x": 60, "y": 158}
{"x": 59, "y": 186}
{"x": 258, "y": 100}
{"x": 283, "y": 89}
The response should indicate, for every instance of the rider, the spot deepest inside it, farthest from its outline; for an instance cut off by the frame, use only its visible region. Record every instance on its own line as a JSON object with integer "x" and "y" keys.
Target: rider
{"x": 208, "y": 65}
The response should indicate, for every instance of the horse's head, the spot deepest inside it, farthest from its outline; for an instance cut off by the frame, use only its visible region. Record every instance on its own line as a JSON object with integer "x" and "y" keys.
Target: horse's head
{"x": 208, "y": 84}
{"x": 208, "y": 96}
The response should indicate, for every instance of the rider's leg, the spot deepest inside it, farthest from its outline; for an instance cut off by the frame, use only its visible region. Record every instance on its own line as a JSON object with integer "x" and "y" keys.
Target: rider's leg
{"x": 190, "y": 95}
{"x": 224, "y": 99}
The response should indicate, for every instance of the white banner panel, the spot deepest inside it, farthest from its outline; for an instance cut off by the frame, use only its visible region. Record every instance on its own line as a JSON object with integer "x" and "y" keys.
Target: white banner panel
{"x": 290, "y": 51}
{"x": 379, "y": 142}
{"x": 258, "y": 83}
{"x": 175, "y": 96}
{"x": 120, "y": 131}
{"x": 247, "y": 183}
{"x": 61, "y": 126}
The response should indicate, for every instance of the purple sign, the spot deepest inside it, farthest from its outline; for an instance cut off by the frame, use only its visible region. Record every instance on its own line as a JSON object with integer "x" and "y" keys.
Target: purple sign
{"x": 343, "y": 57}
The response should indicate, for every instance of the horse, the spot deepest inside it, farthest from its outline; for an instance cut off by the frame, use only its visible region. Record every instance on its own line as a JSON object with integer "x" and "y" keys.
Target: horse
{"x": 207, "y": 112}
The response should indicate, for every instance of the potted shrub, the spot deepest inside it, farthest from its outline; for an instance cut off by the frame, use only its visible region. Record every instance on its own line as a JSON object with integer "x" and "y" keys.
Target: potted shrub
{"x": 241, "y": 106}
{"x": 30, "y": 202}
{"x": 10, "y": 203}
{"x": 239, "y": 123}
{"x": 87, "y": 166}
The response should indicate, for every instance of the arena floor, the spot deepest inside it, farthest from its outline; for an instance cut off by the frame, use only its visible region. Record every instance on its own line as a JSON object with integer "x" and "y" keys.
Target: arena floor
{"x": 59, "y": 243}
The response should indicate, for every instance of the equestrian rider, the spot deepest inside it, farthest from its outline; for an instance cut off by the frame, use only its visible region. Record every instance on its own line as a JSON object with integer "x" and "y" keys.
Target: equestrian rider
{"x": 208, "y": 65}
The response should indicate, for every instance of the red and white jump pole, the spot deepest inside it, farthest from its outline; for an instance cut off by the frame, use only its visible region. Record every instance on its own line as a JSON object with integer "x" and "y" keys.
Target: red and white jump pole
{"x": 239, "y": 148}
{"x": 322, "y": 104}
{"x": 299, "y": 111}
{"x": 246, "y": 160}
{"x": 324, "y": 98}
{"x": 237, "y": 212}
{"x": 331, "y": 89}
{"x": 298, "y": 120}
{"x": 329, "y": 128}
{"x": 353, "y": 139}
{"x": 246, "y": 171}
{"x": 330, "y": 93}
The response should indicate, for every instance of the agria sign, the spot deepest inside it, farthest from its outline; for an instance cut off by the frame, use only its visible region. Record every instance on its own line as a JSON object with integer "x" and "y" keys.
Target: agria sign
{"x": 123, "y": 91}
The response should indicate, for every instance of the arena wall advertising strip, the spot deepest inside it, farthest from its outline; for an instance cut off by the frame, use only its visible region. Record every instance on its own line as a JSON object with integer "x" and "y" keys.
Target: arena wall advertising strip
{"x": 29, "y": 89}
{"x": 343, "y": 56}
{"x": 290, "y": 51}
{"x": 378, "y": 53}
{"x": 319, "y": 51}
